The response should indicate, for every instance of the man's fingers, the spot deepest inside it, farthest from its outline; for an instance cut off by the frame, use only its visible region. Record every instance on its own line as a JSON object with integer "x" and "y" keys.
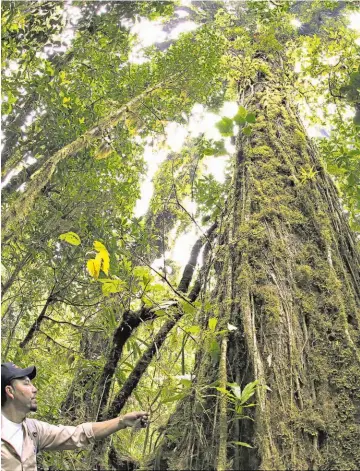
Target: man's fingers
{"x": 143, "y": 419}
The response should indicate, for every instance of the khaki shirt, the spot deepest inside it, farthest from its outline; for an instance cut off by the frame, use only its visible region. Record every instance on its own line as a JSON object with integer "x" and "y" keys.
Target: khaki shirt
{"x": 46, "y": 437}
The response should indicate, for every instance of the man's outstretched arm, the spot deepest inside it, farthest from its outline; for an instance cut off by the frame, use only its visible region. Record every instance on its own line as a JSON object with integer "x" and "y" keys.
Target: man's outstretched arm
{"x": 67, "y": 437}
{"x": 106, "y": 428}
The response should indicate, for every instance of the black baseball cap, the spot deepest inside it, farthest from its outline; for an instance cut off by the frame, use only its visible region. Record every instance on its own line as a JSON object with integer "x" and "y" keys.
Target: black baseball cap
{"x": 10, "y": 371}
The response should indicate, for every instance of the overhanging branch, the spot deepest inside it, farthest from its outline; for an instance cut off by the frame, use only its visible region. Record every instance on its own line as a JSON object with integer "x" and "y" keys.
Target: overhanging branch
{"x": 25, "y": 202}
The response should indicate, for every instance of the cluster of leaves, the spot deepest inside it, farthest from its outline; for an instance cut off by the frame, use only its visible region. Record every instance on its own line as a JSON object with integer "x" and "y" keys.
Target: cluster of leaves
{"x": 352, "y": 93}
{"x": 327, "y": 79}
{"x": 241, "y": 118}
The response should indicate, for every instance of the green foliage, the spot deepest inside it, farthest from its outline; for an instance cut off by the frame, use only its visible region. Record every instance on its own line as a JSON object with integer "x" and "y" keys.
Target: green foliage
{"x": 50, "y": 100}
{"x": 242, "y": 117}
{"x": 225, "y": 126}
{"x": 307, "y": 174}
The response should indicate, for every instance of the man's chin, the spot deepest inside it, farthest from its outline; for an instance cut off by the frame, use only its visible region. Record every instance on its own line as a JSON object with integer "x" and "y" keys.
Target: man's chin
{"x": 33, "y": 408}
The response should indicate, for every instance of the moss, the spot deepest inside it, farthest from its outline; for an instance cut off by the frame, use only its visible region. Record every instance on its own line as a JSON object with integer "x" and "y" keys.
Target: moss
{"x": 300, "y": 140}
{"x": 283, "y": 212}
{"x": 267, "y": 298}
{"x": 290, "y": 304}
{"x": 304, "y": 275}
{"x": 261, "y": 151}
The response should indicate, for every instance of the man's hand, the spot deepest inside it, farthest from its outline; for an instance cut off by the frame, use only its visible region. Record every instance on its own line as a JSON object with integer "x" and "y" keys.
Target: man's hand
{"x": 132, "y": 419}
{"x": 135, "y": 419}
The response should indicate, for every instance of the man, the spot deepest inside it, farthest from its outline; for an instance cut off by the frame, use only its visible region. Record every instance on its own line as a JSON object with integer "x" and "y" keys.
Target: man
{"x": 22, "y": 438}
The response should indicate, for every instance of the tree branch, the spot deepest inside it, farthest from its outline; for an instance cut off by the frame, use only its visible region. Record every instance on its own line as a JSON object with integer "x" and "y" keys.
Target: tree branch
{"x": 24, "y": 203}
{"x": 141, "y": 366}
{"x": 130, "y": 321}
{"x": 36, "y": 325}
{"x": 14, "y": 274}
{"x": 190, "y": 266}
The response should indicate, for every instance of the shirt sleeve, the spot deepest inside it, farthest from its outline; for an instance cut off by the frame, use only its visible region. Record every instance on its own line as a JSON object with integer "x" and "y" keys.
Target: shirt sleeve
{"x": 63, "y": 437}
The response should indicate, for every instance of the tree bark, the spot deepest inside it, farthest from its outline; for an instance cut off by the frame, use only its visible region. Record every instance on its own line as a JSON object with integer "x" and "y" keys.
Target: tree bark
{"x": 7, "y": 285}
{"x": 288, "y": 279}
{"x": 37, "y": 324}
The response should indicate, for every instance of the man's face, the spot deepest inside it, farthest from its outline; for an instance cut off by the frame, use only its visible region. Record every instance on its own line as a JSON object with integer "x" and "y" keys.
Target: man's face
{"x": 24, "y": 393}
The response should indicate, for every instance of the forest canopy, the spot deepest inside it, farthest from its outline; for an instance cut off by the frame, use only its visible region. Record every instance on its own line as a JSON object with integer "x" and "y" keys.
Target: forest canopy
{"x": 180, "y": 227}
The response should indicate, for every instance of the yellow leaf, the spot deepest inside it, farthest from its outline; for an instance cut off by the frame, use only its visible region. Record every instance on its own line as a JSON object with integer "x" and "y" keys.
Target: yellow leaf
{"x": 98, "y": 259}
{"x": 105, "y": 261}
{"x": 66, "y": 100}
{"x": 102, "y": 257}
{"x": 71, "y": 238}
{"x": 93, "y": 267}
{"x": 81, "y": 120}
{"x": 98, "y": 246}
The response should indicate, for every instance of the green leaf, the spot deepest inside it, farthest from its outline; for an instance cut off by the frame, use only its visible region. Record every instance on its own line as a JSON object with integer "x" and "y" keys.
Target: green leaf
{"x": 223, "y": 391}
{"x": 250, "y": 118}
{"x": 214, "y": 351}
{"x": 239, "y": 119}
{"x": 355, "y": 79}
{"x": 113, "y": 286}
{"x": 247, "y": 131}
{"x": 193, "y": 329}
{"x": 236, "y": 390}
{"x": 71, "y": 238}
{"x": 187, "y": 307}
{"x": 212, "y": 323}
{"x": 160, "y": 312}
{"x": 209, "y": 151}
{"x": 141, "y": 272}
{"x": 242, "y": 444}
{"x": 241, "y": 112}
{"x": 176, "y": 397}
{"x": 249, "y": 391}
{"x": 220, "y": 148}
{"x": 225, "y": 126}
{"x": 186, "y": 382}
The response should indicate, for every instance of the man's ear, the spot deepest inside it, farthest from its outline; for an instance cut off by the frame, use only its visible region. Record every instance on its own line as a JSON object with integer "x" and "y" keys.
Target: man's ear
{"x": 9, "y": 390}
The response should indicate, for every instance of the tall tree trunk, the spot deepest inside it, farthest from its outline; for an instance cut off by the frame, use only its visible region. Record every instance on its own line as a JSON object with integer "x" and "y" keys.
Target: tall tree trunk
{"x": 288, "y": 279}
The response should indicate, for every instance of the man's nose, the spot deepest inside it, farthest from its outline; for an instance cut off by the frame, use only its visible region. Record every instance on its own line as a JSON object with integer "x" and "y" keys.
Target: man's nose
{"x": 34, "y": 389}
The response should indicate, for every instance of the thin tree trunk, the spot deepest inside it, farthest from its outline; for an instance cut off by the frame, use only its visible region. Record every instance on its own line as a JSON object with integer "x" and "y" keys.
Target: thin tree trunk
{"x": 37, "y": 324}
{"x": 145, "y": 360}
{"x": 7, "y": 285}
{"x": 141, "y": 366}
{"x": 22, "y": 177}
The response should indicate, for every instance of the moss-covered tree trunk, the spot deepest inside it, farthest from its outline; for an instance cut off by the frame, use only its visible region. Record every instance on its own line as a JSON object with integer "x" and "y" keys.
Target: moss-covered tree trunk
{"x": 288, "y": 278}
